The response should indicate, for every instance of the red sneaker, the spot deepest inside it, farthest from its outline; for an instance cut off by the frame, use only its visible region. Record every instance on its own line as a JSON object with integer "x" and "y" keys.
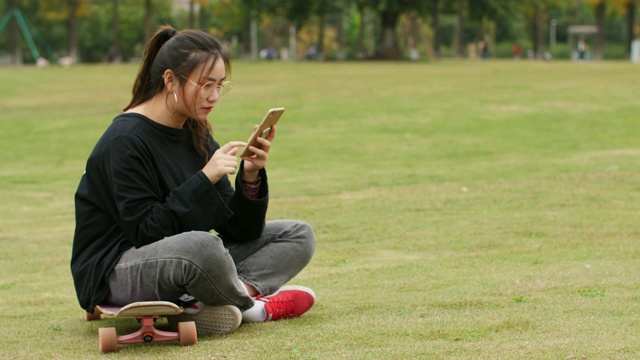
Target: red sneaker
{"x": 288, "y": 302}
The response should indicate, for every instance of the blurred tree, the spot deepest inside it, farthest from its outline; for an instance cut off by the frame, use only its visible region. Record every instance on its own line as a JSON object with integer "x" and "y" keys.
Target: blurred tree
{"x": 537, "y": 15}
{"x": 73, "y": 30}
{"x": 623, "y": 7}
{"x": 198, "y": 9}
{"x": 477, "y": 15}
{"x": 14, "y": 33}
{"x": 148, "y": 26}
{"x": 460, "y": 7}
{"x": 599, "y": 9}
{"x": 628, "y": 9}
{"x": 114, "y": 51}
{"x": 362, "y": 6}
{"x": 322, "y": 9}
{"x": 86, "y": 29}
{"x": 433, "y": 10}
{"x": 192, "y": 15}
{"x": 389, "y": 12}
{"x": 202, "y": 15}
{"x": 69, "y": 11}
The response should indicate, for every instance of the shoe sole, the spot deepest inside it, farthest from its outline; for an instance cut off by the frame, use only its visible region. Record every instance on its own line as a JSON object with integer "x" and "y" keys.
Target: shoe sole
{"x": 296, "y": 287}
{"x": 211, "y": 320}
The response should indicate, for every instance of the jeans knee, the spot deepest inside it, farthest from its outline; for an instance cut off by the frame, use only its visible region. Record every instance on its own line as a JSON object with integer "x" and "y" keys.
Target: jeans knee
{"x": 205, "y": 248}
{"x": 307, "y": 238}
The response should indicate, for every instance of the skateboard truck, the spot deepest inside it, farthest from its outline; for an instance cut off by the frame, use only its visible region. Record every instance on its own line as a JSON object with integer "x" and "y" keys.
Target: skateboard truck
{"x": 146, "y": 313}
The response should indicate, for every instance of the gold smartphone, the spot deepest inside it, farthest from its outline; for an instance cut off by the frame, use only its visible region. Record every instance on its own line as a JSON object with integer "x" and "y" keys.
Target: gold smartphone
{"x": 270, "y": 119}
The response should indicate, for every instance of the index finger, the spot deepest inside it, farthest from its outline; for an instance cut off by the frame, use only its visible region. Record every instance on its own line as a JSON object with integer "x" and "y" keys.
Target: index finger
{"x": 232, "y": 145}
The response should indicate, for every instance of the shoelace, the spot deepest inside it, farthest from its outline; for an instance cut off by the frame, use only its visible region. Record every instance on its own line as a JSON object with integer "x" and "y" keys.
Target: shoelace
{"x": 279, "y": 306}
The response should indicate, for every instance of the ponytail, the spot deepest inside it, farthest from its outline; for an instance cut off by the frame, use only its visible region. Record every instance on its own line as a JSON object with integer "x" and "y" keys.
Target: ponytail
{"x": 148, "y": 84}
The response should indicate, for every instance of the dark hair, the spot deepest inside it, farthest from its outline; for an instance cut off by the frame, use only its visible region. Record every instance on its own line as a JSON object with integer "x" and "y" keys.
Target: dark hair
{"x": 180, "y": 52}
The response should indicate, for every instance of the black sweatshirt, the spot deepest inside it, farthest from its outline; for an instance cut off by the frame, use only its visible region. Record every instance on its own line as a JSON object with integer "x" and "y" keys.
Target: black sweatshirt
{"x": 142, "y": 183}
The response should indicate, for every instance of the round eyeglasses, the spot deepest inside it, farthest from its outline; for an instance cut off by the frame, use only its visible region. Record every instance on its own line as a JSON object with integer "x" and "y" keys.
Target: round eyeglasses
{"x": 206, "y": 90}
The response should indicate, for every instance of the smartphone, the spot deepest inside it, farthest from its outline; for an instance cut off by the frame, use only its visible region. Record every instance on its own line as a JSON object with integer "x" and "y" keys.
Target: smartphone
{"x": 270, "y": 119}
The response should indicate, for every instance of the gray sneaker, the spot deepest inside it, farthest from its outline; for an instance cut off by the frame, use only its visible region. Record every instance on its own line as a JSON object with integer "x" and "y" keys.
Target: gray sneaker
{"x": 209, "y": 319}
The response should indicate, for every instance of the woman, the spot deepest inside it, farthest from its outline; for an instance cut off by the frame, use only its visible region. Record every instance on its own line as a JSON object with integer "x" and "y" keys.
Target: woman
{"x": 157, "y": 183}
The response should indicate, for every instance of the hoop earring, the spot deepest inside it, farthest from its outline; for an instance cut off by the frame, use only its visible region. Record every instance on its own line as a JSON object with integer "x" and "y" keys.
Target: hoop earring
{"x": 175, "y": 103}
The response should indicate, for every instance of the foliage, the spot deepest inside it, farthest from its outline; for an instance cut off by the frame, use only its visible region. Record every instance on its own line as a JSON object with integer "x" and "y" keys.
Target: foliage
{"x": 387, "y": 26}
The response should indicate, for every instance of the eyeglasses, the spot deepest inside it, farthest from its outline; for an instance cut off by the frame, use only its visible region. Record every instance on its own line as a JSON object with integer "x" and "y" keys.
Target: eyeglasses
{"x": 207, "y": 89}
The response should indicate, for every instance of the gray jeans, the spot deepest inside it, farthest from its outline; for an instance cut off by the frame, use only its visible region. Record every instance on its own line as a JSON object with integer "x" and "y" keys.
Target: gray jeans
{"x": 200, "y": 264}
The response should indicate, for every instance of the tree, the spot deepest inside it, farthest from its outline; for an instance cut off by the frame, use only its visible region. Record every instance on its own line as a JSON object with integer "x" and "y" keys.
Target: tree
{"x": 630, "y": 7}
{"x": 115, "y": 47}
{"x": 433, "y": 9}
{"x": 389, "y": 12}
{"x": 322, "y": 9}
{"x": 73, "y": 30}
{"x": 599, "y": 7}
{"x": 68, "y": 12}
{"x": 14, "y": 34}
{"x": 198, "y": 6}
{"x": 627, "y": 8}
{"x": 148, "y": 11}
{"x": 192, "y": 15}
{"x": 537, "y": 14}
{"x": 460, "y": 9}
{"x": 362, "y": 7}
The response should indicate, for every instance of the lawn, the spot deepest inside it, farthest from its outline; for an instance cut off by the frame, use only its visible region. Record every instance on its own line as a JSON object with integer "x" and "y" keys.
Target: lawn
{"x": 463, "y": 210}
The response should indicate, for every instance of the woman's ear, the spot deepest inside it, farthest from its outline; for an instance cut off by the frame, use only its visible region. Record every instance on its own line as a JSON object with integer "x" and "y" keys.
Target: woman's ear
{"x": 169, "y": 79}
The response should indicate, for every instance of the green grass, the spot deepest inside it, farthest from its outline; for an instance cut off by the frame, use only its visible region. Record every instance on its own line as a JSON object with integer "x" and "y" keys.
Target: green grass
{"x": 463, "y": 210}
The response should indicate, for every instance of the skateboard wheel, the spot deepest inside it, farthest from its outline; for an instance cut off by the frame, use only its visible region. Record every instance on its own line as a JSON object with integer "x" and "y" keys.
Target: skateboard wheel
{"x": 107, "y": 340}
{"x": 187, "y": 333}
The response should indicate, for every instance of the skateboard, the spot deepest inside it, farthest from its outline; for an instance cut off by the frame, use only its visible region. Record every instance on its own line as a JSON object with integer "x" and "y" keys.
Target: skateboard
{"x": 146, "y": 312}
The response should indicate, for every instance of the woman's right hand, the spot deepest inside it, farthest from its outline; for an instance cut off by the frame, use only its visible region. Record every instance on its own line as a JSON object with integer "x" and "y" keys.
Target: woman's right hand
{"x": 223, "y": 162}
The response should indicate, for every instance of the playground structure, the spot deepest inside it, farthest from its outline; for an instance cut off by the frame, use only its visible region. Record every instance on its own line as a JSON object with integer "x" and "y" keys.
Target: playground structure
{"x": 29, "y": 33}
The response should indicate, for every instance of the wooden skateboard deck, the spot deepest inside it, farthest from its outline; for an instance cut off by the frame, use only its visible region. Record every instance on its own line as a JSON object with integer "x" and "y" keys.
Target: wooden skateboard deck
{"x": 146, "y": 312}
{"x": 159, "y": 308}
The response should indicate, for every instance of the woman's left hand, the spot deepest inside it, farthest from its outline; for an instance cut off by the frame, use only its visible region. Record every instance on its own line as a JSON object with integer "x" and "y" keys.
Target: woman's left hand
{"x": 254, "y": 163}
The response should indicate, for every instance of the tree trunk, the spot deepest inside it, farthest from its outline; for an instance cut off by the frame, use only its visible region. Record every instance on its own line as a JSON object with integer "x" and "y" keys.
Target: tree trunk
{"x": 539, "y": 33}
{"x": 114, "y": 52}
{"x": 459, "y": 42}
{"x": 322, "y": 23}
{"x": 73, "y": 31}
{"x": 293, "y": 43}
{"x": 321, "y": 26}
{"x": 387, "y": 48}
{"x": 14, "y": 34}
{"x": 192, "y": 14}
{"x": 361, "y": 52}
{"x": 600, "y": 13}
{"x": 340, "y": 36}
{"x": 254, "y": 35}
{"x": 148, "y": 11}
{"x": 435, "y": 26}
{"x": 414, "y": 35}
{"x": 631, "y": 21}
{"x": 202, "y": 18}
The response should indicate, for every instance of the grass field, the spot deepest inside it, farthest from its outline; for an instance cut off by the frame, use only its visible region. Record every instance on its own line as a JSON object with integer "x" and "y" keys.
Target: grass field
{"x": 463, "y": 210}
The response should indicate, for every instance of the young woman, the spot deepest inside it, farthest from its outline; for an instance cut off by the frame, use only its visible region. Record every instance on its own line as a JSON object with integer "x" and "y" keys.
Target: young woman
{"x": 156, "y": 185}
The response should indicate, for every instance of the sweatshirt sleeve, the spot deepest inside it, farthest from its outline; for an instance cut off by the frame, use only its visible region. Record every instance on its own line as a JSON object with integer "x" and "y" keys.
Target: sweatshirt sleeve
{"x": 249, "y": 214}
